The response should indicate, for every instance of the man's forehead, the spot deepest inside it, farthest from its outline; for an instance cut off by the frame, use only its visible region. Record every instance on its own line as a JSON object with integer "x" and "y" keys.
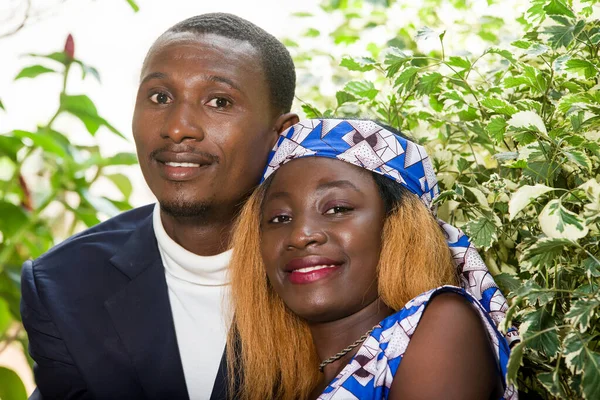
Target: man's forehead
{"x": 171, "y": 40}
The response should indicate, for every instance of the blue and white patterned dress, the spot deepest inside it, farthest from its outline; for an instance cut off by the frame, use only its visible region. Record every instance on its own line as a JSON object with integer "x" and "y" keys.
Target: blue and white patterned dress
{"x": 369, "y": 375}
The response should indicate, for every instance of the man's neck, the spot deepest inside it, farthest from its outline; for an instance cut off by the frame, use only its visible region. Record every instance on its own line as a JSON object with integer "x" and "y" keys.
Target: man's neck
{"x": 200, "y": 235}
{"x": 331, "y": 337}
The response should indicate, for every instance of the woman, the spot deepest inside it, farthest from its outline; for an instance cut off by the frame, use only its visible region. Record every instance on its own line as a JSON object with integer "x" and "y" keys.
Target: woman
{"x": 335, "y": 266}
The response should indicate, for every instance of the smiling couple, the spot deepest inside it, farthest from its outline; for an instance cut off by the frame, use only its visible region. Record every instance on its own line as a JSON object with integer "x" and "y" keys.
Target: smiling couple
{"x": 331, "y": 280}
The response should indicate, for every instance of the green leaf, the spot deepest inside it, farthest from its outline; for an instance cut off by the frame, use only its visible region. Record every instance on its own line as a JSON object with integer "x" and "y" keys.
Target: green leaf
{"x": 521, "y": 44}
{"x": 361, "y": 64}
{"x": 558, "y": 222}
{"x": 582, "y": 67}
{"x": 545, "y": 250}
{"x": 2, "y": 105}
{"x": 82, "y": 107}
{"x": 499, "y": 106}
{"x": 535, "y": 294}
{"x": 406, "y": 80}
{"x": 552, "y": 383}
{"x": 86, "y": 69}
{"x": 133, "y": 5}
{"x": 462, "y": 165}
{"x": 496, "y": 128}
{"x": 33, "y": 71}
{"x": 562, "y": 35}
{"x": 344, "y": 97}
{"x": 310, "y": 111}
{"x": 425, "y": 33}
{"x": 537, "y": 49}
{"x": 582, "y": 311}
{"x": 42, "y": 140}
{"x": 312, "y": 32}
{"x": 460, "y": 62}
{"x": 58, "y": 56}
{"x": 118, "y": 159}
{"x": 13, "y": 217}
{"x": 523, "y": 196}
{"x": 123, "y": 183}
{"x": 591, "y": 375}
{"x": 514, "y": 362}
{"x": 591, "y": 267}
{"x": 504, "y": 53}
{"x": 539, "y": 332}
{"x": 10, "y": 146}
{"x": 12, "y": 387}
{"x": 482, "y": 232}
{"x": 428, "y": 83}
{"x": 5, "y": 316}
{"x": 558, "y": 7}
{"x": 395, "y": 59}
{"x": 579, "y": 157}
{"x": 560, "y": 63}
{"x": 575, "y": 357}
{"x": 362, "y": 89}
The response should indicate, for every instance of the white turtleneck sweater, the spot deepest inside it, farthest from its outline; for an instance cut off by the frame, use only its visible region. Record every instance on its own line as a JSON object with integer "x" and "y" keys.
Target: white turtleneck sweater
{"x": 198, "y": 293}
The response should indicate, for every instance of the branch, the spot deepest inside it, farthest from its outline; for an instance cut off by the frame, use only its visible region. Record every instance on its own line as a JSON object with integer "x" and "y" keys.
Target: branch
{"x": 22, "y": 24}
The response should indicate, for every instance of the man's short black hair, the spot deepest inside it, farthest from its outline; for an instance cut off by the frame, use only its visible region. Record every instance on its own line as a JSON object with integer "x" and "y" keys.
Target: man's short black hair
{"x": 276, "y": 60}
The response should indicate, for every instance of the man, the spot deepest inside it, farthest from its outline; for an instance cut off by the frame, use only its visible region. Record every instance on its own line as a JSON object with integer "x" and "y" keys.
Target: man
{"x": 132, "y": 308}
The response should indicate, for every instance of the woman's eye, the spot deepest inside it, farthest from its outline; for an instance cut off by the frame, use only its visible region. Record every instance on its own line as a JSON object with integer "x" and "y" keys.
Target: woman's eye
{"x": 160, "y": 98}
{"x": 338, "y": 210}
{"x": 219, "y": 102}
{"x": 280, "y": 219}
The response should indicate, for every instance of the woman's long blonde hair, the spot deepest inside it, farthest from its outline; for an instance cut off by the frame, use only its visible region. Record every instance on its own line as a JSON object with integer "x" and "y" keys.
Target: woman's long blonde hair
{"x": 270, "y": 352}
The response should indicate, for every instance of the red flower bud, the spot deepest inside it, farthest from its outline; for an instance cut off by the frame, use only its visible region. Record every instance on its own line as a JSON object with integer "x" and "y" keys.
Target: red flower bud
{"x": 70, "y": 47}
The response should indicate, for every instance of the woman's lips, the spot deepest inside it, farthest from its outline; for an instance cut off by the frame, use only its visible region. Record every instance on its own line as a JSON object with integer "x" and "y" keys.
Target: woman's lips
{"x": 311, "y": 274}
{"x": 311, "y": 268}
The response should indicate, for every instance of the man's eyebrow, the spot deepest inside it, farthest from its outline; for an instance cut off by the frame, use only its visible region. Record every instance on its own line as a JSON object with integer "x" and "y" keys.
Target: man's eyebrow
{"x": 338, "y": 184}
{"x": 222, "y": 79}
{"x": 153, "y": 75}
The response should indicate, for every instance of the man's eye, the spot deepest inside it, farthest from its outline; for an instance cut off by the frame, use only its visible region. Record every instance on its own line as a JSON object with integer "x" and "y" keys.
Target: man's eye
{"x": 219, "y": 102}
{"x": 280, "y": 219}
{"x": 338, "y": 210}
{"x": 160, "y": 98}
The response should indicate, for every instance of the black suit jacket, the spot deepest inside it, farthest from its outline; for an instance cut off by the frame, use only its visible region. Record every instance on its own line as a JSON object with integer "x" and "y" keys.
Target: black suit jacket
{"x": 97, "y": 312}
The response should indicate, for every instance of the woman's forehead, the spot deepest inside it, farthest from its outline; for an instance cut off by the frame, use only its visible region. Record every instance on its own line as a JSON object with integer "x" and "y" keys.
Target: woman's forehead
{"x": 311, "y": 172}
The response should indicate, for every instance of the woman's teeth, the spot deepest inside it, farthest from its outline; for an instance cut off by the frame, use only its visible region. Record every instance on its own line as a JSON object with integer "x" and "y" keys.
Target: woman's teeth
{"x": 315, "y": 268}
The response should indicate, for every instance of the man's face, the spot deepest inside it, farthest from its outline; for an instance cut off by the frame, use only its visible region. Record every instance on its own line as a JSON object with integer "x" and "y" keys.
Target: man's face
{"x": 203, "y": 122}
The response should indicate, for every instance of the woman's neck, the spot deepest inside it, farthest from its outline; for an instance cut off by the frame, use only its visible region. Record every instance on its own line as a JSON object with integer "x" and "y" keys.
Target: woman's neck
{"x": 334, "y": 336}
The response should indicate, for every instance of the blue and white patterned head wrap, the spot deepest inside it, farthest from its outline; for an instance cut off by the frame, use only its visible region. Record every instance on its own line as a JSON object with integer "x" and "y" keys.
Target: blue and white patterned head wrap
{"x": 368, "y": 145}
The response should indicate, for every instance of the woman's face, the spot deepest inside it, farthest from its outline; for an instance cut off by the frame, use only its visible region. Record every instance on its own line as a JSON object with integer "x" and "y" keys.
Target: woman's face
{"x": 321, "y": 237}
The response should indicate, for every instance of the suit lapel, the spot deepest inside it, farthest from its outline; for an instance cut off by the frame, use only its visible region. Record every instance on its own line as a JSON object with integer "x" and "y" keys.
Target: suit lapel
{"x": 141, "y": 314}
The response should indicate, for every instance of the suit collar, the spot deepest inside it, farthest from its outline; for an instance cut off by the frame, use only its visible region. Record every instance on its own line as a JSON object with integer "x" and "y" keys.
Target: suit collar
{"x": 139, "y": 252}
{"x": 141, "y": 314}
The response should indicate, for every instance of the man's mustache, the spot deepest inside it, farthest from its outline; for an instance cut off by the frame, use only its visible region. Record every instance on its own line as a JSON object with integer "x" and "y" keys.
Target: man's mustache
{"x": 184, "y": 148}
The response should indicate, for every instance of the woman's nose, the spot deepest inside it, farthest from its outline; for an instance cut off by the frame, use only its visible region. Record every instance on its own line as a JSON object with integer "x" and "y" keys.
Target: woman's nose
{"x": 306, "y": 233}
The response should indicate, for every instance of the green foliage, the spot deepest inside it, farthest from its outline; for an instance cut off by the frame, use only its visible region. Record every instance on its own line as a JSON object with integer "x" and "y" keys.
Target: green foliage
{"x": 41, "y": 206}
{"x": 513, "y": 132}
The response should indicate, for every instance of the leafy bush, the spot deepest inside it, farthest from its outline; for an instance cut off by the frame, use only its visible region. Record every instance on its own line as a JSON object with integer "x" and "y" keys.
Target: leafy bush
{"x": 514, "y": 134}
{"x": 46, "y": 186}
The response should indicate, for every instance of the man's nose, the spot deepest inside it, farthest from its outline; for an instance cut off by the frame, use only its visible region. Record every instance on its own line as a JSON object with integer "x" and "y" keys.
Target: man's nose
{"x": 306, "y": 232}
{"x": 182, "y": 122}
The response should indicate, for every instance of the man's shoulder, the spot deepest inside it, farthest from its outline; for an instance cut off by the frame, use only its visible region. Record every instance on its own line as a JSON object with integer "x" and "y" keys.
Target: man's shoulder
{"x": 98, "y": 243}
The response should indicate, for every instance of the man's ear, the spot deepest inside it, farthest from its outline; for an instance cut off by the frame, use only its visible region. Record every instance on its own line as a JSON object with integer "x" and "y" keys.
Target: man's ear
{"x": 283, "y": 122}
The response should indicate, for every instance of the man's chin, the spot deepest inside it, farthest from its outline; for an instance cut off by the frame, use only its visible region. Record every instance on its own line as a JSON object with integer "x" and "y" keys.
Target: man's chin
{"x": 183, "y": 209}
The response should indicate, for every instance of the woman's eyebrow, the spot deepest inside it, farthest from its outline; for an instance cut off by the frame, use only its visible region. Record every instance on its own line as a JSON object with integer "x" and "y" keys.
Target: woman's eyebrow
{"x": 337, "y": 184}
